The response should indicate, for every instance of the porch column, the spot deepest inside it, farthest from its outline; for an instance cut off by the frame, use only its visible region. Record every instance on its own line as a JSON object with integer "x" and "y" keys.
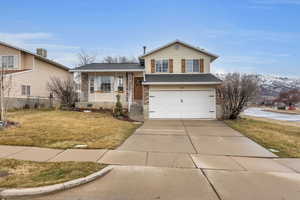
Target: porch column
{"x": 130, "y": 90}
{"x": 84, "y": 87}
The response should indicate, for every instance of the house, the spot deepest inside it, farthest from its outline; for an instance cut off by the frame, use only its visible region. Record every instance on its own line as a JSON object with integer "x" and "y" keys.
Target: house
{"x": 28, "y": 74}
{"x": 173, "y": 81}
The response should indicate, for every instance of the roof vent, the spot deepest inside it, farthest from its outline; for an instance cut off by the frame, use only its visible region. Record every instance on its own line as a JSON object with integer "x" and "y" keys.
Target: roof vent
{"x": 41, "y": 52}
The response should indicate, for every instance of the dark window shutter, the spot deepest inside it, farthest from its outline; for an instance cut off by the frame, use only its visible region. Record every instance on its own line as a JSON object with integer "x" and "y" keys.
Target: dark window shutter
{"x": 171, "y": 65}
{"x": 183, "y": 65}
{"x": 201, "y": 65}
{"x": 152, "y": 66}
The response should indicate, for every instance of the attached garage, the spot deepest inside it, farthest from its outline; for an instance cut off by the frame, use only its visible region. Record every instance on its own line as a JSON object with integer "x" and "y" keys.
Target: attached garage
{"x": 181, "y": 96}
{"x": 182, "y": 104}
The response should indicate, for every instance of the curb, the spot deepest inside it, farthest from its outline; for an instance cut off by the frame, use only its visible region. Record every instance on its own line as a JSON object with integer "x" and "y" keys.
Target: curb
{"x": 54, "y": 188}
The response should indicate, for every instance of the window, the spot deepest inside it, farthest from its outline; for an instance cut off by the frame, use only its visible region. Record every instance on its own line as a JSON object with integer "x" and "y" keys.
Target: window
{"x": 8, "y": 62}
{"x": 105, "y": 83}
{"x": 100, "y": 84}
{"x": 25, "y": 90}
{"x": 120, "y": 84}
{"x": 92, "y": 84}
{"x": 192, "y": 66}
{"x": 162, "y": 65}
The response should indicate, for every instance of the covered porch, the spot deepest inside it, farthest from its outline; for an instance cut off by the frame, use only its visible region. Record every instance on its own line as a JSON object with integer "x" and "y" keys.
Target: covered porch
{"x": 98, "y": 88}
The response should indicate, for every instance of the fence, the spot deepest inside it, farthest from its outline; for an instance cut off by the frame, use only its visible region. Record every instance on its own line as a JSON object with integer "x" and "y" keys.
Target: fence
{"x": 31, "y": 102}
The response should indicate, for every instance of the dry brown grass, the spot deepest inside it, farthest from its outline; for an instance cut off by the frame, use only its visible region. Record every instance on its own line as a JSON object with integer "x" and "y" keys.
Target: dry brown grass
{"x": 64, "y": 129}
{"x": 33, "y": 174}
{"x": 270, "y": 134}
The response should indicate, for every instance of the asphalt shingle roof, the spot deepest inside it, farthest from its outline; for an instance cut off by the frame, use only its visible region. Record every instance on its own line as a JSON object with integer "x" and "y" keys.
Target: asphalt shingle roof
{"x": 110, "y": 66}
{"x": 181, "y": 78}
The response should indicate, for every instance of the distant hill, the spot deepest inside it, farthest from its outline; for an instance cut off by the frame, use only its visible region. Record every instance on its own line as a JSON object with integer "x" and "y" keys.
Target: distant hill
{"x": 271, "y": 86}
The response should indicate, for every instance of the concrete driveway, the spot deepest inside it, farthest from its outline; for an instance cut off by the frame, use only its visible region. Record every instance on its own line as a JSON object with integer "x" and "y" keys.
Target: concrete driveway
{"x": 191, "y": 159}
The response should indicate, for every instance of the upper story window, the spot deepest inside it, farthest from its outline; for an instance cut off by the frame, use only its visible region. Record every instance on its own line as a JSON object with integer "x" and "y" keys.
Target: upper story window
{"x": 192, "y": 65}
{"x": 162, "y": 65}
{"x": 7, "y": 62}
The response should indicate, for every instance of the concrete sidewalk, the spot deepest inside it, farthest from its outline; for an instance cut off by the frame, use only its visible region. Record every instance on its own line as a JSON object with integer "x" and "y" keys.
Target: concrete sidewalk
{"x": 174, "y": 159}
{"x": 50, "y": 155}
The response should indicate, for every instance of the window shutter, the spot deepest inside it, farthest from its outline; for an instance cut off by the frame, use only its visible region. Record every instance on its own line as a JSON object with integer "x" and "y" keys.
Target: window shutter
{"x": 183, "y": 65}
{"x": 201, "y": 65}
{"x": 152, "y": 66}
{"x": 171, "y": 65}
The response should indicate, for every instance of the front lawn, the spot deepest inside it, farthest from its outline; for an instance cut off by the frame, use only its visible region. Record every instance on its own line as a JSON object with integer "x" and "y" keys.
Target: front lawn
{"x": 21, "y": 174}
{"x": 65, "y": 129}
{"x": 271, "y": 134}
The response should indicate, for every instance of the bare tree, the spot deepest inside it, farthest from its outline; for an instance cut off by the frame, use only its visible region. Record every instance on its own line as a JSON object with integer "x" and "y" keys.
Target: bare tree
{"x": 5, "y": 89}
{"x": 235, "y": 92}
{"x": 86, "y": 58}
{"x": 64, "y": 90}
{"x": 119, "y": 59}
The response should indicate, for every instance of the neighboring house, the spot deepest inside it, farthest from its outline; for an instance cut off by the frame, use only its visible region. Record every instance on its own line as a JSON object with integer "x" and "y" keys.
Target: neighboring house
{"x": 173, "y": 81}
{"x": 29, "y": 74}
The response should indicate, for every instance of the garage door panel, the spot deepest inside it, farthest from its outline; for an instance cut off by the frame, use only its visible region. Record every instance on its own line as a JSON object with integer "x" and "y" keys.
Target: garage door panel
{"x": 197, "y": 104}
{"x": 182, "y": 104}
{"x": 164, "y": 105}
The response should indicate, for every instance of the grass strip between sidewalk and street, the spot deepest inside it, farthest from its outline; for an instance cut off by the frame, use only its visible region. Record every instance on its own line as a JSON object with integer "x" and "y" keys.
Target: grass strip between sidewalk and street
{"x": 23, "y": 174}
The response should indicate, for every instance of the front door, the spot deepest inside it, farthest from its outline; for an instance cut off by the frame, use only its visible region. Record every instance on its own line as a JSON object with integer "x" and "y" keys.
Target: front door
{"x": 138, "y": 88}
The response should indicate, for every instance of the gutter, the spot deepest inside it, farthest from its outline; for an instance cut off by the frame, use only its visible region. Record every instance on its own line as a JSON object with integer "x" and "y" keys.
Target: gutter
{"x": 182, "y": 83}
{"x": 107, "y": 70}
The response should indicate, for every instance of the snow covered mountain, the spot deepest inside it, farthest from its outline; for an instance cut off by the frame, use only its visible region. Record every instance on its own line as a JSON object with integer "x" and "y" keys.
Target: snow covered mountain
{"x": 271, "y": 86}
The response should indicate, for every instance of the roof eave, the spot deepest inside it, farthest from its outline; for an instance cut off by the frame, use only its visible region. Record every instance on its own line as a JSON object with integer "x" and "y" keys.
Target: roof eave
{"x": 214, "y": 56}
{"x": 182, "y": 83}
{"x": 106, "y": 70}
{"x": 37, "y": 56}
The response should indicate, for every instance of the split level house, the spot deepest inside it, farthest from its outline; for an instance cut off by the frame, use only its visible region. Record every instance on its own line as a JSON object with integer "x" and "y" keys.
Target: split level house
{"x": 27, "y": 74}
{"x": 172, "y": 81}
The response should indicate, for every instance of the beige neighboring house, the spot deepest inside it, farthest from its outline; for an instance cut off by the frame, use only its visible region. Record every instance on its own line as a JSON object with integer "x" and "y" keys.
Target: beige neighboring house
{"x": 173, "y": 81}
{"x": 29, "y": 74}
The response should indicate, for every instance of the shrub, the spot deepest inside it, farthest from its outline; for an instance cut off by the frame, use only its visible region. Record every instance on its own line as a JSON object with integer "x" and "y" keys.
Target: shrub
{"x": 235, "y": 92}
{"x": 26, "y": 106}
{"x": 118, "y": 111}
{"x": 64, "y": 90}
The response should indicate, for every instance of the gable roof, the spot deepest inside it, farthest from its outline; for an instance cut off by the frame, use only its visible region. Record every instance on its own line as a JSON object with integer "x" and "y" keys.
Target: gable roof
{"x": 213, "y": 56}
{"x": 109, "y": 67}
{"x": 37, "y": 56}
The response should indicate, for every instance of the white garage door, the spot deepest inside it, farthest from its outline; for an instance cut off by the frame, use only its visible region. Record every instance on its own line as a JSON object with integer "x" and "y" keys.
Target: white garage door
{"x": 182, "y": 104}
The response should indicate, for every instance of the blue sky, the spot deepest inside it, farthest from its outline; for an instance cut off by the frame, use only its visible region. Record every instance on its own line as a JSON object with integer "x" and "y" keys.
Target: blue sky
{"x": 252, "y": 36}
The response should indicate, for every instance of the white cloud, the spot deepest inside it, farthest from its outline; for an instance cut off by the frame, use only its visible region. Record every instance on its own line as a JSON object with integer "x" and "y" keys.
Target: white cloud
{"x": 65, "y": 54}
{"x": 22, "y": 37}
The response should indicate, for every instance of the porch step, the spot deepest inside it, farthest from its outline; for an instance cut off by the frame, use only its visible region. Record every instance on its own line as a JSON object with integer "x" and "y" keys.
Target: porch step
{"x": 136, "y": 112}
